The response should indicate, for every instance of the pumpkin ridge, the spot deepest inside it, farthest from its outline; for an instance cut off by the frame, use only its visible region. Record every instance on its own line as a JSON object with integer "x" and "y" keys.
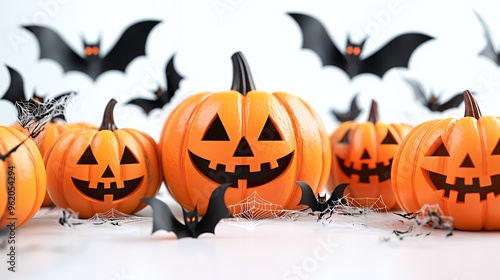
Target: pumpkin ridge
{"x": 298, "y": 143}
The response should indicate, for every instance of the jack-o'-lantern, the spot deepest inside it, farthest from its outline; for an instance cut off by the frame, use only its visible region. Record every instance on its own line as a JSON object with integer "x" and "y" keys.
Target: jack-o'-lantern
{"x": 362, "y": 154}
{"x": 455, "y": 163}
{"x": 23, "y": 173}
{"x": 95, "y": 170}
{"x": 257, "y": 141}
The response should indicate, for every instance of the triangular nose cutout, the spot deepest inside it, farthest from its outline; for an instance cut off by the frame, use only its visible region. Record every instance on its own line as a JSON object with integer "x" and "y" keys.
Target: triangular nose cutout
{"x": 467, "y": 162}
{"x": 108, "y": 173}
{"x": 243, "y": 149}
{"x": 365, "y": 155}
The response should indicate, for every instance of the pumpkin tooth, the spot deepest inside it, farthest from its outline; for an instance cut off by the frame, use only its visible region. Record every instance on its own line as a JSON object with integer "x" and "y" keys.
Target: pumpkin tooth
{"x": 485, "y": 180}
{"x": 255, "y": 167}
{"x": 230, "y": 167}
{"x": 451, "y": 180}
{"x": 468, "y": 180}
{"x": 274, "y": 164}
{"x": 213, "y": 165}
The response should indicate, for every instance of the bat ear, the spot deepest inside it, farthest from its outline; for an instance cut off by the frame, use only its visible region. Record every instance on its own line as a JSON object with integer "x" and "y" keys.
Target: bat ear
{"x": 362, "y": 43}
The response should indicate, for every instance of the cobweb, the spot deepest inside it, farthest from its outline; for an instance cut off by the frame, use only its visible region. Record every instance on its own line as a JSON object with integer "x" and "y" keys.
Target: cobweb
{"x": 422, "y": 223}
{"x": 113, "y": 220}
{"x": 255, "y": 210}
{"x": 357, "y": 211}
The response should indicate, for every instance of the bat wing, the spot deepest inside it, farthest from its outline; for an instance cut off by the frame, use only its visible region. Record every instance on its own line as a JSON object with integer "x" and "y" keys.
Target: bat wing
{"x": 216, "y": 211}
{"x": 396, "y": 53}
{"x": 316, "y": 38}
{"x": 350, "y": 115}
{"x": 418, "y": 90}
{"x": 131, "y": 45}
{"x": 164, "y": 219}
{"x": 146, "y": 104}
{"x": 53, "y": 47}
{"x": 337, "y": 196}
{"x": 453, "y": 102}
{"x": 489, "y": 50}
{"x": 15, "y": 92}
{"x": 308, "y": 198}
{"x": 173, "y": 78}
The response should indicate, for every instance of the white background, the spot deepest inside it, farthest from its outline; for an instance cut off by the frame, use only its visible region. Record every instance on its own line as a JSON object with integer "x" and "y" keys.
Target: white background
{"x": 203, "y": 35}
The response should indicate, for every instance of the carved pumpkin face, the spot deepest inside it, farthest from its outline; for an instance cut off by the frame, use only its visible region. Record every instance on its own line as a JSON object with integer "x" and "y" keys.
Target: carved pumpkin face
{"x": 455, "y": 163}
{"x": 362, "y": 155}
{"x": 23, "y": 174}
{"x": 257, "y": 141}
{"x": 96, "y": 170}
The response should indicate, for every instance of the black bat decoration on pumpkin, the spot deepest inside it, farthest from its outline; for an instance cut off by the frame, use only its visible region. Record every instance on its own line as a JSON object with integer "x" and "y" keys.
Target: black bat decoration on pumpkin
{"x": 489, "y": 50}
{"x": 432, "y": 102}
{"x": 131, "y": 45}
{"x": 162, "y": 96}
{"x": 163, "y": 218}
{"x": 320, "y": 203}
{"x": 396, "y": 53}
{"x": 351, "y": 114}
{"x": 15, "y": 93}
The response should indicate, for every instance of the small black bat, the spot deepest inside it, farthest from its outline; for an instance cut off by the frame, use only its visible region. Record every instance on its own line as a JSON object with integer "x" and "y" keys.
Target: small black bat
{"x": 163, "y": 218}
{"x": 131, "y": 45}
{"x": 321, "y": 203}
{"x": 351, "y": 114}
{"x": 396, "y": 53}
{"x": 432, "y": 102}
{"x": 488, "y": 51}
{"x": 162, "y": 96}
{"x": 16, "y": 94}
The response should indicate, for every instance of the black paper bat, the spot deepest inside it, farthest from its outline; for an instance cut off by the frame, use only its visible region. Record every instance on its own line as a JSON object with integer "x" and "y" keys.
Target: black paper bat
{"x": 15, "y": 93}
{"x": 162, "y": 96}
{"x": 163, "y": 218}
{"x": 131, "y": 45}
{"x": 350, "y": 115}
{"x": 321, "y": 203}
{"x": 489, "y": 50}
{"x": 432, "y": 102}
{"x": 396, "y": 53}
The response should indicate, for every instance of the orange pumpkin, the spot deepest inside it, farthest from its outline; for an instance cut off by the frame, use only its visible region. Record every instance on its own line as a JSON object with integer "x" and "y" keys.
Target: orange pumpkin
{"x": 258, "y": 141}
{"x": 362, "y": 154}
{"x": 96, "y": 170}
{"x": 24, "y": 175}
{"x": 453, "y": 162}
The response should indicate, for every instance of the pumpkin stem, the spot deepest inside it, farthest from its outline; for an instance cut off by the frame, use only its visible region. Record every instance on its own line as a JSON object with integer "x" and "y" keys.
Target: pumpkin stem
{"x": 242, "y": 77}
{"x": 471, "y": 107}
{"x": 373, "y": 116}
{"x": 108, "y": 120}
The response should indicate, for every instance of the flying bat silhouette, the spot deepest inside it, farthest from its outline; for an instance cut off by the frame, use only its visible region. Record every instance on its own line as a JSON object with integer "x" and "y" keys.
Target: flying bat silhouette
{"x": 131, "y": 45}
{"x": 396, "y": 53}
{"x": 320, "y": 204}
{"x": 15, "y": 93}
{"x": 163, "y": 218}
{"x": 432, "y": 102}
{"x": 162, "y": 96}
{"x": 489, "y": 50}
{"x": 351, "y": 114}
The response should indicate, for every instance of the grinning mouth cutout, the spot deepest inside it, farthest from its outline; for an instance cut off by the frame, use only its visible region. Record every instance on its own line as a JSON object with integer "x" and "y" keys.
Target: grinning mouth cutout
{"x": 129, "y": 186}
{"x": 439, "y": 183}
{"x": 241, "y": 172}
{"x": 383, "y": 172}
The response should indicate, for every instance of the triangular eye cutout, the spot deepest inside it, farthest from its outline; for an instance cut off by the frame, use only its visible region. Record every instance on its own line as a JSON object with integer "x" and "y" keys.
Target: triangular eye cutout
{"x": 216, "y": 131}
{"x": 270, "y": 132}
{"x": 345, "y": 139}
{"x": 87, "y": 157}
{"x": 496, "y": 151}
{"x": 128, "y": 157}
{"x": 389, "y": 139}
{"x": 439, "y": 149}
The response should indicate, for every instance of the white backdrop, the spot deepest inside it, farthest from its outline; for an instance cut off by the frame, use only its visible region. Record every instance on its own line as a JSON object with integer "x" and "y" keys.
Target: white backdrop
{"x": 204, "y": 34}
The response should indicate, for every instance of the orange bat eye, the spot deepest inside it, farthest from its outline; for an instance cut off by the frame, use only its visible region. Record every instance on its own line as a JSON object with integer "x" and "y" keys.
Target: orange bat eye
{"x": 356, "y": 51}
{"x": 349, "y": 50}
{"x": 88, "y": 51}
{"x": 95, "y": 50}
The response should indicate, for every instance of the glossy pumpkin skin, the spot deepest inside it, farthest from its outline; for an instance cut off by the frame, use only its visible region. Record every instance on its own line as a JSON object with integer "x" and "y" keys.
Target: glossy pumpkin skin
{"x": 362, "y": 154}
{"x": 49, "y": 135}
{"x": 453, "y": 162}
{"x": 95, "y": 170}
{"x": 261, "y": 142}
{"x": 29, "y": 172}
